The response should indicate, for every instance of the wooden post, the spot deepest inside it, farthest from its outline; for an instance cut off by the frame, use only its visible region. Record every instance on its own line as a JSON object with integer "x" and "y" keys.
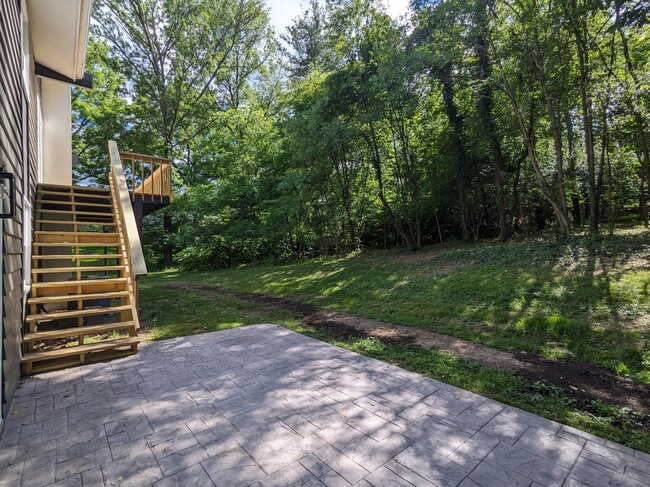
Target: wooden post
{"x": 138, "y": 210}
{"x": 168, "y": 246}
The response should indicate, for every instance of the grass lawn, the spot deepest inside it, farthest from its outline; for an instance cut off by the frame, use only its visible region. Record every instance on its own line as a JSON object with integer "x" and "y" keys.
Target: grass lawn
{"x": 590, "y": 296}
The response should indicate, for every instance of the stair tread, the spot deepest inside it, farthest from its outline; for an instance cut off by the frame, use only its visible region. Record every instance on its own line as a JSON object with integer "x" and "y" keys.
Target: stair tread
{"x": 66, "y": 232}
{"x": 76, "y": 222}
{"x": 77, "y": 239}
{"x": 73, "y": 188}
{"x": 74, "y": 203}
{"x": 83, "y": 282}
{"x": 91, "y": 347}
{"x": 70, "y": 212}
{"x": 77, "y": 256}
{"x": 77, "y": 244}
{"x": 76, "y": 331}
{"x": 88, "y": 268}
{"x": 77, "y": 297}
{"x": 57, "y": 315}
{"x": 100, "y": 196}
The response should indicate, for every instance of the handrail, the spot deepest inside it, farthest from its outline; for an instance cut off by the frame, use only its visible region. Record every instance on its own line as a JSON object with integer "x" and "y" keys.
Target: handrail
{"x": 152, "y": 173}
{"x": 121, "y": 196}
{"x": 144, "y": 157}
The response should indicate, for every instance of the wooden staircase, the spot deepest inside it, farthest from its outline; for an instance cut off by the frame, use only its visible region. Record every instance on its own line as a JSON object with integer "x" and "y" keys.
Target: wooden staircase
{"x": 82, "y": 306}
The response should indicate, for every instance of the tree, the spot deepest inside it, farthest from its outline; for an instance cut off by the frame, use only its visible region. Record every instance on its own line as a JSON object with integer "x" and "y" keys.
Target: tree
{"x": 179, "y": 53}
{"x": 98, "y": 115}
{"x": 307, "y": 49}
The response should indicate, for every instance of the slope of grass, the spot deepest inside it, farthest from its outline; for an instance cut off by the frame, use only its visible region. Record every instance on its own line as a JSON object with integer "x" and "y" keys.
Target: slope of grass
{"x": 583, "y": 299}
{"x": 170, "y": 312}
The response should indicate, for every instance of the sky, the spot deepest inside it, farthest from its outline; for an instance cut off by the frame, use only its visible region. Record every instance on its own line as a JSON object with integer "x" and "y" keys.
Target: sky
{"x": 284, "y": 11}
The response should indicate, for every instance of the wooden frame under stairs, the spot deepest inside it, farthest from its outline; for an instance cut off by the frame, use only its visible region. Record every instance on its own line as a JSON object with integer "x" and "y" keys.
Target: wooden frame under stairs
{"x": 82, "y": 303}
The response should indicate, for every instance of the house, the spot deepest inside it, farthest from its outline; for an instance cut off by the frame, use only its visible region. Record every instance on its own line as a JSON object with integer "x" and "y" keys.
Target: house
{"x": 71, "y": 255}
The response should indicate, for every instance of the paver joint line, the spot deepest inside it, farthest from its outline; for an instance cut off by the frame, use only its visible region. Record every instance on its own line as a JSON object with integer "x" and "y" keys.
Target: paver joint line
{"x": 264, "y": 406}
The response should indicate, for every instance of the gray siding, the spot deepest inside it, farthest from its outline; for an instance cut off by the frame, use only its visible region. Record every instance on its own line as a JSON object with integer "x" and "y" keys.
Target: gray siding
{"x": 12, "y": 122}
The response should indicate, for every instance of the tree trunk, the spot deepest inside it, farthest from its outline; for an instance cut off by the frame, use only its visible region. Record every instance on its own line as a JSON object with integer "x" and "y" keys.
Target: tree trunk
{"x": 557, "y": 143}
{"x": 610, "y": 191}
{"x": 580, "y": 31}
{"x": 167, "y": 220}
{"x": 376, "y": 160}
{"x": 485, "y": 110}
{"x": 346, "y": 197}
{"x": 643, "y": 205}
{"x": 571, "y": 155}
{"x": 456, "y": 122}
{"x": 562, "y": 220}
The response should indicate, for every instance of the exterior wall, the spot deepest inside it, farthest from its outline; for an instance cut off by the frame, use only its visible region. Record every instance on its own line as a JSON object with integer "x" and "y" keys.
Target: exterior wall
{"x": 57, "y": 132}
{"x": 35, "y": 146}
{"x": 12, "y": 118}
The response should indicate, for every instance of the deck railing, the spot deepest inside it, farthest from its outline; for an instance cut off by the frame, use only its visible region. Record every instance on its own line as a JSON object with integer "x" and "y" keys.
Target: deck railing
{"x": 125, "y": 221}
{"x": 148, "y": 175}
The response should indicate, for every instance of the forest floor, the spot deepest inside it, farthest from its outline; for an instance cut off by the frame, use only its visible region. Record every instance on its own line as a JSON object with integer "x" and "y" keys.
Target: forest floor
{"x": 561, "y": 329}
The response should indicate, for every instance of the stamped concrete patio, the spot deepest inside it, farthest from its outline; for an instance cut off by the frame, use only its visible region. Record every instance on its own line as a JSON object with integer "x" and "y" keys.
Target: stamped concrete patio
{"x": 262, "y": 405}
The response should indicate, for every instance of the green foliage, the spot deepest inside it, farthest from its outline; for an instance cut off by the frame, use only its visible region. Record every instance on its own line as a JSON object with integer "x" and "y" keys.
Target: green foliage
{"x": 469, "y": 120}
{"x": 463, "y": 122}
{"x": 98, "y": 115}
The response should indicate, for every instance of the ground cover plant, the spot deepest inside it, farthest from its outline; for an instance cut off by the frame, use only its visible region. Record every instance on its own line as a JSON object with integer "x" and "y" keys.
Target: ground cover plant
{"x": 582, "y": 300}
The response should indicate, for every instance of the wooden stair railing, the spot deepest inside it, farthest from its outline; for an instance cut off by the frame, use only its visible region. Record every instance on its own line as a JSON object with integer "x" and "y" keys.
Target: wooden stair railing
{"x": 125, "y": 220}
{"x": 148, "y": 176}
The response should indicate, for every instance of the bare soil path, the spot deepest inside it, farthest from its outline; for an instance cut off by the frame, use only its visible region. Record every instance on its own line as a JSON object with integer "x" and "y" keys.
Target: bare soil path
{"x": 583, "y": 382}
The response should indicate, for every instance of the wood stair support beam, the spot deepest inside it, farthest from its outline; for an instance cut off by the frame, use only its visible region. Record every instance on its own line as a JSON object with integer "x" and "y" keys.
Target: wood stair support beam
{"x": 77, "y": 297}
{"x": 78, "y": 256}
{"x": 69, "y": 212}
{"x": 89, "y": 268}
{"x": 78, "y": 331}
{"x": 31, "y": 358}
{"x": 59, "y": 315}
